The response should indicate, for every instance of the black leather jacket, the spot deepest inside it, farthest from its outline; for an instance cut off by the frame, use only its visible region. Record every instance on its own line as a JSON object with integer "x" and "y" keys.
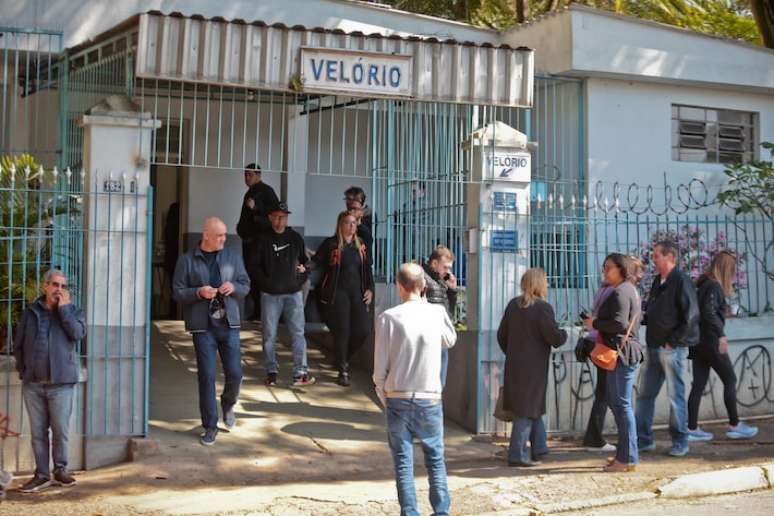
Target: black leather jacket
{"x": 438, "y": 292}
{"x": 712, "y": 306}
{"x": 328, "y": 259}
{"x": 672, "y": 312}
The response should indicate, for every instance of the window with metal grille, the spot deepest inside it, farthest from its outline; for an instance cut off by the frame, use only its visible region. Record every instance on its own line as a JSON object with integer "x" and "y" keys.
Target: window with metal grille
{"x": 169, "y": 146}
{"x": 709, "y": 135}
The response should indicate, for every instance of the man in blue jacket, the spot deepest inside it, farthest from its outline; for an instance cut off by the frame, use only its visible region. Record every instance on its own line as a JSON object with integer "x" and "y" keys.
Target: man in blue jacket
{"x": 47, "y": 361}
{"x": 210, "y": 281}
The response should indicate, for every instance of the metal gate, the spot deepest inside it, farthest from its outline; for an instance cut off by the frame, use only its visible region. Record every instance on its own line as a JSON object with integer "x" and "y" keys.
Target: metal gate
{"x": 51, "y": 217}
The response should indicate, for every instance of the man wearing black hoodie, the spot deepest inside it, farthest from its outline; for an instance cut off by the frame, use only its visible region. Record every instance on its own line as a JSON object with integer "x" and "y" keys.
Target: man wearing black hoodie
{"x": 279, "y": 267}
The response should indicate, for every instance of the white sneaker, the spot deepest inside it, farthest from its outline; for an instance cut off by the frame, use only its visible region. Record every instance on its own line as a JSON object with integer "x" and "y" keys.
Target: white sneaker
{"x": 742, "y": 431}
{"x": 699, "y": 435}
{"x": 607, "y": 448}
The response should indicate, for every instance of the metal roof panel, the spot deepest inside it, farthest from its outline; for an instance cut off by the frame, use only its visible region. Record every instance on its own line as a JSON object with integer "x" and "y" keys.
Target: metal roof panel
{"x": 256, "y": 55}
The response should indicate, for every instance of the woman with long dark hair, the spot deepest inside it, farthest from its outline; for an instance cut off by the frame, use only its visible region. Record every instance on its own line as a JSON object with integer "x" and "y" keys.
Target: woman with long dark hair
{"x": 526, "y": 335}
{"x": 715, "y": 285}
{"x": 346, "y": 291}
{"x": 593, "y": 440}
{"x": 618, "y": 324}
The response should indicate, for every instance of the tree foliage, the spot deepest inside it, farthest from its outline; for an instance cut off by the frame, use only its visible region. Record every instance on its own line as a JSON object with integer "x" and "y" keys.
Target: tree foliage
{"x": 750, "y": 186}
{"x": 750, "y": 191}
{"x": 726, "y": 18}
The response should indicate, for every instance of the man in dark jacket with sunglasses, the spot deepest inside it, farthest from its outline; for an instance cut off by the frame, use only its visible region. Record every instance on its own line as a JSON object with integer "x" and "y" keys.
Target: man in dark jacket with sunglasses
{"x": 45, "y": 348}
{"x": 210, "y": 282}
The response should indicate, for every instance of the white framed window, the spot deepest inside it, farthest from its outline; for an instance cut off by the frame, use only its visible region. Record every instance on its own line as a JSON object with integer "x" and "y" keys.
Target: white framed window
{"x": 710, "y": 135}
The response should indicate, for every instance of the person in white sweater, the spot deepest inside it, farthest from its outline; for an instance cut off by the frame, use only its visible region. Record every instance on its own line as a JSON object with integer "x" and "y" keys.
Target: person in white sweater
{"x": 407, "y": 376}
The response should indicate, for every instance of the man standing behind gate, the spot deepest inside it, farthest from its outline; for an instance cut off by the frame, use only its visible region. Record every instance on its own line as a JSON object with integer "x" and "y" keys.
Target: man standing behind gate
{"x": 47, "y": 361}
{"x": 407, "y": 376}
{"x": 254, "y": 221}
{"x": 209, "y": 282}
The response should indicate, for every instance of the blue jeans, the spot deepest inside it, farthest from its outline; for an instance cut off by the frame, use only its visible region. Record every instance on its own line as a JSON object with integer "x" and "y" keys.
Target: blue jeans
{"x": 620, "y": 385}
{"x": 292, "y": 306}
{"x": 224, "y": 341}
{"x": 663, "y": 365}
{"x": 49, "y": 406}
{"x": 423, "y": 420}
{"x": 527, "y": 430}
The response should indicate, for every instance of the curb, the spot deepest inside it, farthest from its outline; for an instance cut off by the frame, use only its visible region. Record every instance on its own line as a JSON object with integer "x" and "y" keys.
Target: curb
{"x": 725, "y": 481}
{"x": 592, "y": 503}
{"x": 710, "y": 483}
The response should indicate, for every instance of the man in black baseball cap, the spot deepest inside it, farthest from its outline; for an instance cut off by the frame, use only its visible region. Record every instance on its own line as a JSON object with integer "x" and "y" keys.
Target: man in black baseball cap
{"x": 279, "y": 268}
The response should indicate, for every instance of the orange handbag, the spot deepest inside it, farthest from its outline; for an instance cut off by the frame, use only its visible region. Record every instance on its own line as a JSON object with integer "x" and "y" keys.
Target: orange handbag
{"x": 604, "y": 356}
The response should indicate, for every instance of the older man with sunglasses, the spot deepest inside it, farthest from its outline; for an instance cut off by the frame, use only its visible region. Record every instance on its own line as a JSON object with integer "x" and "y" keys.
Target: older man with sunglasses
{"x": 45, "y": 347}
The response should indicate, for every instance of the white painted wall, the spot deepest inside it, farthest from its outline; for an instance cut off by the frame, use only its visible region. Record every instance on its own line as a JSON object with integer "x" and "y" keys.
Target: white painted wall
{"x": 584, "y": 41}
{"x": 629, "y": 129}
{"x": 551, "y": 38}
{"x": 605, "y": 43}
{"x": 219, "y": 193}
{"x": 81, "y": 20}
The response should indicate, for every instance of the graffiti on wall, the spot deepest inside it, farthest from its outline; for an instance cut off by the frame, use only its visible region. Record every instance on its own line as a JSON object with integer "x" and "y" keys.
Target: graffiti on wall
{"x": 578, "y": 380}
{"x": 5, "y": 427}
{"x": 753, "y": 376}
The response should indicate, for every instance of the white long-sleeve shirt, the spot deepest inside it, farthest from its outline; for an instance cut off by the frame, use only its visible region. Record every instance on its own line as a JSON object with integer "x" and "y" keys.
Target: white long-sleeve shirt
{"x": 407, "y": 350}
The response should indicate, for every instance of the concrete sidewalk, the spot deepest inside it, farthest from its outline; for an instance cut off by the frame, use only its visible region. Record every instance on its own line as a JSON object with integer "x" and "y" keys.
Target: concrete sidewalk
{"x": 322, "y": 450}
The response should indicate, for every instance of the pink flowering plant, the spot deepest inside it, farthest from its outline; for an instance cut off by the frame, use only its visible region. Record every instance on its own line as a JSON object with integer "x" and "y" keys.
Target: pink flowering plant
{"x": 695, "y": 253}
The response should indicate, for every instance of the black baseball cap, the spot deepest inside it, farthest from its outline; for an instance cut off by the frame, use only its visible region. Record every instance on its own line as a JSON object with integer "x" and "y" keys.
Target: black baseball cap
{"x": 283, "y": 207}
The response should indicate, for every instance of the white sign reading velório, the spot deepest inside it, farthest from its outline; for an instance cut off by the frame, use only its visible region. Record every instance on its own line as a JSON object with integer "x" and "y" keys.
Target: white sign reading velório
{"x": 509, "y": 166}
{"x": 352, "y": 71}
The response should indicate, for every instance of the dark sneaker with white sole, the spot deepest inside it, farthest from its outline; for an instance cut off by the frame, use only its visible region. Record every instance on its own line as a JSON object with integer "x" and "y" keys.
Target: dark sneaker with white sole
{"x": 270, "y": 380}
{"x": 229, "y": 418}
{"x": 209, "y": 436}
{"x": 64, "y": 478}
{"x": 304, "y": 379}
{"x": 35, "y": 485}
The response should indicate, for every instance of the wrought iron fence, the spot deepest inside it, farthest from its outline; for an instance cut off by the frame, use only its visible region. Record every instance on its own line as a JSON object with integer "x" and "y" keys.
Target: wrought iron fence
{"x": 569, "y": 231}
{"x": 99, "y": 237}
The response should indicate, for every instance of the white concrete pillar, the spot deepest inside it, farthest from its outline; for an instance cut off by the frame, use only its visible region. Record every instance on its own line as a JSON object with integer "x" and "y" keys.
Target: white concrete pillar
{"x": 294, "y": 182}
{"x": 117, "y": 205}
{"x": 497, "y": 201}
{"x": 498, "y": 209}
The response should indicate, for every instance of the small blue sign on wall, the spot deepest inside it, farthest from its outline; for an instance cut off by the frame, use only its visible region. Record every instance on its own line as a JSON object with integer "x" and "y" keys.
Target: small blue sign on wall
{"x": 504, "y": 201}
{"x": 504, "y": 241}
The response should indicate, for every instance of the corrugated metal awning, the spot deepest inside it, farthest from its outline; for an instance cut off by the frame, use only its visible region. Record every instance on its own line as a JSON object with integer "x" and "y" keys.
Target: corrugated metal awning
{"x": 234, "y": 53}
